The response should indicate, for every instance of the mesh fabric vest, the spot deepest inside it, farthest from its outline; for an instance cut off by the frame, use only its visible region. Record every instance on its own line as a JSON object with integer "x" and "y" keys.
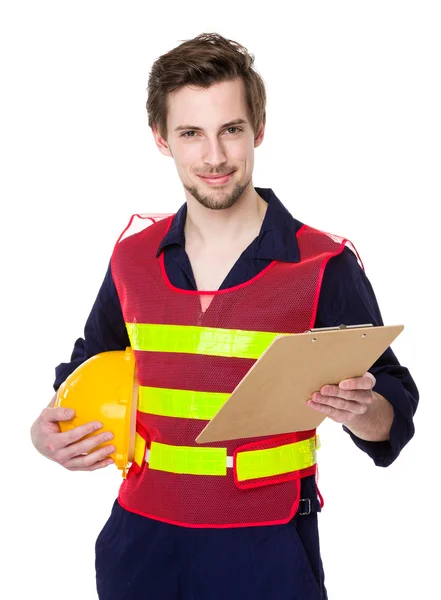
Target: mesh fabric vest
{"x": 192, "y": 349}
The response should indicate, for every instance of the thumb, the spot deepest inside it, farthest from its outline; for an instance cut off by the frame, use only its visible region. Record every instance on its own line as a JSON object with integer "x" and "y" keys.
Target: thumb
{"x": 60, "y": 413}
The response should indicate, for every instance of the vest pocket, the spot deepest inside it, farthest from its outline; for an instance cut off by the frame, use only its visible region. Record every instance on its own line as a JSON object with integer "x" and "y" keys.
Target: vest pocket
{"x": 275, "y": 460}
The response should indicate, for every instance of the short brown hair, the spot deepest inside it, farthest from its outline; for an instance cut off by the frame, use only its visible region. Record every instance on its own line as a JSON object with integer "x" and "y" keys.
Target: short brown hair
{"x": 202, "y": 61}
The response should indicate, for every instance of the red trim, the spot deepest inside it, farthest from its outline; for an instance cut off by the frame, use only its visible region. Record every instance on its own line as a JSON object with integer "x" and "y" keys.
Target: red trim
{"x": 292, "y": 512}
{"x": 209, "y": 293}
{"x": 131, "y": 221}
{"x": 125, "y": 229}
{"x": 290, "y": 438}
{"x": 322, "y": 502}
{"x": 250, "y": 484}
{"x": 168, "y": 227}
{"x": 320, "y": 279}
{"x": 323, "y": 265}
{"x": 345, "y": 240}
{"x": 356, "y": 252}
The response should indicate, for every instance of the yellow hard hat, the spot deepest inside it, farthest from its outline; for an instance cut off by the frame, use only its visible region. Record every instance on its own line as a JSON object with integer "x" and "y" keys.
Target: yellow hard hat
{"x": 104, "y": 388}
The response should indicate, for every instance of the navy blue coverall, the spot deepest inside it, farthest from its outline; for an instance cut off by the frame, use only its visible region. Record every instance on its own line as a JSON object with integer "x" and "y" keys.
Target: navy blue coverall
{"x": 141, "y": 559}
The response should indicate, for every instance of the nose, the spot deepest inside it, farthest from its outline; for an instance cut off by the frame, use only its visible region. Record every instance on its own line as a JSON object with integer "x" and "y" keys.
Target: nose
{"x": 214, "y": 153}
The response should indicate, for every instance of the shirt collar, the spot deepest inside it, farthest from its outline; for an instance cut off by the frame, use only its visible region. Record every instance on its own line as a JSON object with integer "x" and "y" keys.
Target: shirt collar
{"x": 276, "y": 240}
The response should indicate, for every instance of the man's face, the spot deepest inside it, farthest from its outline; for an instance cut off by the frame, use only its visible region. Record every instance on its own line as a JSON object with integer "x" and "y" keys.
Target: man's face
{"x": 210, "y": 135}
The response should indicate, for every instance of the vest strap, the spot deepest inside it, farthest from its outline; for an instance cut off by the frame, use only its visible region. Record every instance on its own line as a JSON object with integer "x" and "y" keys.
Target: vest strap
{"x": 247, "y": 465}
{"x": 258, "y": 464}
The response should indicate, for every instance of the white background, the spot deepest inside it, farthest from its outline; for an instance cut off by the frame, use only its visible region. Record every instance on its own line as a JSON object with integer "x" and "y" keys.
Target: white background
{"x": 352, "y": 146}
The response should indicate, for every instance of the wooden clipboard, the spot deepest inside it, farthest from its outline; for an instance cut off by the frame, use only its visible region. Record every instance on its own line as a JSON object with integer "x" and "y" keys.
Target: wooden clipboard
{"x": 271, "y": 398}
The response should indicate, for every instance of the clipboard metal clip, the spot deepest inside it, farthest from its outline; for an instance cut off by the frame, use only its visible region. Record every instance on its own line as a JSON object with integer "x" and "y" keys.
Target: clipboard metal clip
{"x": 338, "y": 328}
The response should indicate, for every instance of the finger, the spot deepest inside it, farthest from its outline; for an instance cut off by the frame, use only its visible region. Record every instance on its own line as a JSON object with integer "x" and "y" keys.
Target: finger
{"x": 77, "y": 433}
{"x": 362, "y": 396}
{"x": 82, "y": 447}
{"x": 53, "y": 415}
{"x": 59, "y": 440}
{"x": 98, "y": 465}
{"x": 366, "y": 382}
{"x": 338, "y": 403}
{"x": 89, "y": 460}
{"x": 340, "y": 416}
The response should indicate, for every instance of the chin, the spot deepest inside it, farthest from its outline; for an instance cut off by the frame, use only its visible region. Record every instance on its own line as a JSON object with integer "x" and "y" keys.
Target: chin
{"x": 218, "y": 198}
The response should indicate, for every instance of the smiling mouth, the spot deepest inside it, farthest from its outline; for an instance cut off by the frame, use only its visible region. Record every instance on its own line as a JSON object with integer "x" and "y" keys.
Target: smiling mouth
{"x": 216, "y": 178}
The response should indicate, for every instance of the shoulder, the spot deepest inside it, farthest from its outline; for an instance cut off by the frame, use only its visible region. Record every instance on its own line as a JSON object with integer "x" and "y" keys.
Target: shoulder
{"x": 346, "y": 294}
{"x": 141, "y": 226}
{"x": 345, "y": 260}
{"x": 345, "y": 265}
{"x": 142, "y": 230}
{"x": 343, "y": 275}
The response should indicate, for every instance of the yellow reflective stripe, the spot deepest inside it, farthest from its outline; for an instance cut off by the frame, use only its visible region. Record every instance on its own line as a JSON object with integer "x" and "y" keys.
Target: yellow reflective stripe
{"x": 185, "y": 404}
{"x": 188, "y": 460}
{"x": 138, "y": 455}
{"x": 252, "y": 464}
{"x": 255, "y": 464}
{"x": 199, "y": 340}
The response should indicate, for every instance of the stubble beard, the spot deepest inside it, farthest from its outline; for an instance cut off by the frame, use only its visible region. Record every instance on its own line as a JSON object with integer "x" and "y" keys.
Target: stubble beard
{"x": 213, "y": 201}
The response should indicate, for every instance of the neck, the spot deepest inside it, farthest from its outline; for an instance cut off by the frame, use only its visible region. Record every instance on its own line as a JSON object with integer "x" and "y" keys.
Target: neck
{"x": 213, "y": 228}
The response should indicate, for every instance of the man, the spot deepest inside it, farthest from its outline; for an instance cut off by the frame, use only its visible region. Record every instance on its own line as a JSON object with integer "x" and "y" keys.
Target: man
{"x": 232, "y": 259}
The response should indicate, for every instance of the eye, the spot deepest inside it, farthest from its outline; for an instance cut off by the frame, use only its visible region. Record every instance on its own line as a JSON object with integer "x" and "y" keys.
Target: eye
{"x": 185, "y": 134}
{"x": 192, "y": 133}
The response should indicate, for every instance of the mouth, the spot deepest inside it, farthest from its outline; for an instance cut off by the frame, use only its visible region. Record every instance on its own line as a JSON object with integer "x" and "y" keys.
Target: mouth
{"x": 217, "y": 179}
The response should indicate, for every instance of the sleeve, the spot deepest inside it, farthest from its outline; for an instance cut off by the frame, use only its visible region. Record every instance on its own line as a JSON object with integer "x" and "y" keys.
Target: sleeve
{"x": 104, "y": 330}
{"x": 347, "y": 298}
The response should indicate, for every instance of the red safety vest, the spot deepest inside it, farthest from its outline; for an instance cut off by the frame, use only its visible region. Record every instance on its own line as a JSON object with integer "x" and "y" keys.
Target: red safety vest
{"x": 192, "y": 349}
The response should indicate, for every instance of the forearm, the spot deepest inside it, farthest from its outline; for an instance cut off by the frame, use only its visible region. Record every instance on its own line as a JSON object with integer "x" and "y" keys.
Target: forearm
{"x": 375, "y": 424}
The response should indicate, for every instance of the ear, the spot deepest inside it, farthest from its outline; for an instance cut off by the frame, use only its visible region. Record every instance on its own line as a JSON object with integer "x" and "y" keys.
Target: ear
{"x": 258, "y": 139}
{"x": 161, "y": 142}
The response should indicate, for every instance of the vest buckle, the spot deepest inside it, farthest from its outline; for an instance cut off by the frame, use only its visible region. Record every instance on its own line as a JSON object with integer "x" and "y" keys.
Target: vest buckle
{"x": 305, "y": 509}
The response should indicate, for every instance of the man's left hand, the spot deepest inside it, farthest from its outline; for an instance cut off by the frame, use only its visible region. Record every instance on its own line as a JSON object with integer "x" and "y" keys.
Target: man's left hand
{"x": 347, "y": 400}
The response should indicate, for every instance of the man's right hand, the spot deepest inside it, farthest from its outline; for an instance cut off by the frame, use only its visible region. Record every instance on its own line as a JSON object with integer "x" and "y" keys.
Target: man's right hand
{"x": 67, "y": 448}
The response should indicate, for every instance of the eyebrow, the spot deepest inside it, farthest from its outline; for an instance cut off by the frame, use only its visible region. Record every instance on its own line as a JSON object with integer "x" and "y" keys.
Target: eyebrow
{"x": 229, "y": 124}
